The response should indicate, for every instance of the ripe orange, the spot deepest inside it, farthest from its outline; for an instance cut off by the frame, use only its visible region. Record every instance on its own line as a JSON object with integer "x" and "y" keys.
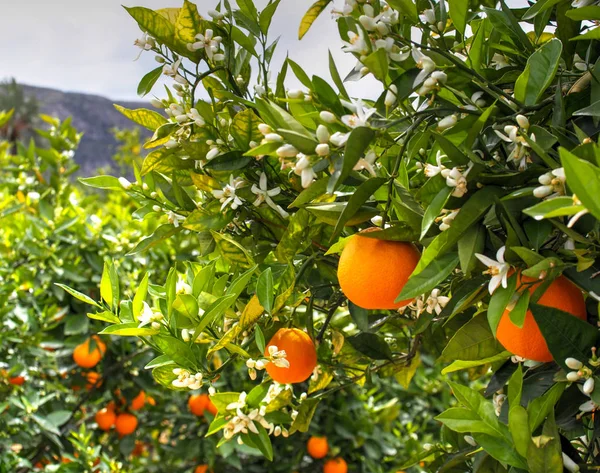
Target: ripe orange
{"x": 201, "y": 469}
{"x": 300, "y": 353}
{"x": 317, "y": 447}
{"x": 198, "y": 403}
{"x": 17, "y": 380}
{"x": 335, "y": 465}
{"x": 126, "y": 424}
{"x": 86, "y": 358}
{"x": 210, "y": 407}
{"x": 373, "y": 272}
{"x": 138, "y": 449}
{"x": 105, "y": 418}
{"x": 93, "y": 380}
{"x": 528, "y": 341}
{"x": 138, "y": 402}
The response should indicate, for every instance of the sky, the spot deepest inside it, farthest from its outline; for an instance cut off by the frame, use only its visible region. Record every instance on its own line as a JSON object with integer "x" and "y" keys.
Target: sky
{"x": 87, "y": 45}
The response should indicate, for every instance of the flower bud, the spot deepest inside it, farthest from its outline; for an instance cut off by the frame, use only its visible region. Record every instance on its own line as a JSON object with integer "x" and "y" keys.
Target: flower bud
{"x": 447, "y": 122}
{"x": 265, "y": 129}
{"x": 588, "y": 386}
{"x": 323, "y": 134}
{"x": 295, "y": 94}
{"x": 573, "y": 376}
{"x": 287, "y": 151}
{"x": 327, "y": 117}
{"x": 156, "y": 208}
{"x": 213, "y": 153}
{"x": 273, "y": 138}
{"x": 574, "y": 363}
{"x": 156, "y": 103}
{"x": 322, "y": 149}
{"x": 125, "y": 184}
{"x": 391, "y": 96}
{"x": 523, "y": 122}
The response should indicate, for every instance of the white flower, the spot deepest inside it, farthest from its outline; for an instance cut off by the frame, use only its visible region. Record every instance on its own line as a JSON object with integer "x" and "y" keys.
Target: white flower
{"x": 125, "y": 184}
{"x": 425, "y": 63}
{"x": 196, "y": 382}
{"x": 239, "y": 404}
{"x": 497, "y": 269}
{"x": 361, "y": 114}
{"x": 447, "y": 220}
{"x": 588, "y": 406}
{"x": 327, "y": 117}
{"x": 207, "y": 42}
{"x": 392, "y": 49}
{"x": 149, "y": 316}
{"x": 569, "y": 464}
{"x": 194, "y": 115}
{"x": 171, "y": 70}
{"x": 263, "y": 194}
{"x": 553, "y": 184}
{"x": 457, "y": 179}
{"x": 573, "y": 363}
{"x": 366, "y": 163}
{"x": 322, "y": 149}
{"x": 174, "y": 218}
{"x": 499, "y": 61}
{"x": 512, "y": 134}
{"x": 304, "y": 169}
{"x": 145, "y": 43}
{"x": 278, "y": 357}
{"x": 228, "y": 195}
{"x": 428, "y": 16}
{"x": 498, "y": 401}
{"x": 339, "y": 139}
{"x": 356, "y": 44}
{"x": 573, "y": 220}
{"x": 186, "y": 380}
{"x": 431, "y": 170}
{"x": 435, "y": 302}
{"x": 182, "y": 287}
{"x": 522, "y": 121}
{"x": 447, "y": 122}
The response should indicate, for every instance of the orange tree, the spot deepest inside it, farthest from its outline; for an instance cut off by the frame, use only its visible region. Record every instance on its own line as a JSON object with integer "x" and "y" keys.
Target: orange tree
{"x": 480, "y": 154}
{"x": 74, "y": 401}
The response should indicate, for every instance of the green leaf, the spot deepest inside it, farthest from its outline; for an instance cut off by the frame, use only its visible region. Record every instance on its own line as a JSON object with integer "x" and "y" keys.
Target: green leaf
{"x": 155, "y": 24}
{"x": 102, "y": 182}
{"x": 502, "y": 449}
{"x": 45, "y": 424}
{"x": 78, "y": 295}
{"x": 357, "y": 199}
{"x": 539, "y": 7}
{"x": 539, "y": 73}
{"x": 148, "y": 81}
{"x": 378, "y": 64}
{"x": 300, "y": 74}
{"x": 518, "y": 424}
{"x": 248, "y": 8}
{"x": 232, "y": 251}
{"x": 215, "y": 310}
{"x": 200, "y": 220}
{"x": 359, "y": 316}
{"x": 429, "y": 278}
{"x": 161, "y": 233}
{"x": 177, "y": 350}
{"x": 266, "y": 16}
{"x": 590, "y": 12}
{"x": 499, "y": 301}
{"x": 434, "y": 209}
{"x": 105, "y": 316}
{"x": 592, "y": 110}
{"x": 294, "y": 237}
{"x": 187, "y": 305}
{"x": 260, "y": 339}
{"x": 590, "y": 35}
{"x": 544, "y": 453}
{"x": 406, "y": 7}
{"x": 518, "y": 312}
{"x": 243, "y": 40}
{"x": 556, "y": 207}
{"x": 358, "y": 141}
{"x": 473, "y": 210}
{"x": 330, "y": 213}
{"x": 264, "y": 149}
{"x": 147, "y": 118}
{"x": 459, "y": 365}
{"x": 106, "y": 286}
{"x": 311, "y": 15}
{"x": 540, "y": 407}
{"x": 454, "y": 154}
{"x": 458, "y": 12}
{"x": 472, "y": 242}
{"x": 265, "y": 289}
{"x": 130, "y": 329}
{"x": 584, "y": 180}
{"x": 326, "y": 95}
{"x": 301, "y": 142}
{"x": 244, "y": 128}
{"x": 230, "y": 161}
{"x": 473, "y": 341}
{"x": 566, "y": 335}
{"x": 337, "y": 80}
{"x": 465, "y": 421}
{"x": 188, "y": 24}
{"x": 371, "y": 345}
{"x": 316, "y": 189}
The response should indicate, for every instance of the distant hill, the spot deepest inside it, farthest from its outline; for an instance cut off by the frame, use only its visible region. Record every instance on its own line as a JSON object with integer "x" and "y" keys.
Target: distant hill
{"x": 93, "y": 115}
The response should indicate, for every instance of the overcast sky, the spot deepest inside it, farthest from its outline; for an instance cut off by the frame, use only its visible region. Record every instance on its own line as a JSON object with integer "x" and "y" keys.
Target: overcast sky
{"x": 87, "y": 45}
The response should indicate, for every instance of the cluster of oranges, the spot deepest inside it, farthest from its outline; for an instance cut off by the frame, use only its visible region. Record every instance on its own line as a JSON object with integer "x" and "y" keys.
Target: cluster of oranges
{"x": 125, "y": 423}
{"x": 373, "y": 272}
{"x": 318, "y": 448}
{"x": 199, "y": 403}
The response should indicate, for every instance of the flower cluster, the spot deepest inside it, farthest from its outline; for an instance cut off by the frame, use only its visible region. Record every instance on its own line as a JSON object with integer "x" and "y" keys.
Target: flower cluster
{"x": 517, "y": 136}
{"x": 185, "y": 379}
{"x": 455, "y": 177}
{"x": 276, "y": 356}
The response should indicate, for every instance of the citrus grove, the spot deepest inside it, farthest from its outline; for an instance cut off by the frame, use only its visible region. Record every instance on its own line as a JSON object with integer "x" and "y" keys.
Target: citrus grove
{"x": 322, "y": 282}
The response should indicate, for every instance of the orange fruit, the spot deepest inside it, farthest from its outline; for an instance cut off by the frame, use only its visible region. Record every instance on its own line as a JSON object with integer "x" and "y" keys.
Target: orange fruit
{"x": 198, "y": 403}
{"x": 86, "y": 358}
{"x": 93, "y": 380}
{"x": 201, "y": 469}
{"x": 300, "y": 353}
{"x": 317, "y": 447}
{"x": 138, "y": 448}
{"x": 210, "y": 407}
{"x": 335, "y": 465}
{"x": 373, "y": 272}
{"x": 126, "y": 424}
{"x": 138, "y": 402}
{"x": 105, "y": 418}
{"x": 528, "y": 341}
{"x": 17, "y": 380}
{"x": 150, "y": 400}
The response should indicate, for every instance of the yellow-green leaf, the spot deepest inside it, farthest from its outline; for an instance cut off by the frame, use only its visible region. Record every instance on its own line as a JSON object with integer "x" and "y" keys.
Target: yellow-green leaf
{"x": 311, "y": 15}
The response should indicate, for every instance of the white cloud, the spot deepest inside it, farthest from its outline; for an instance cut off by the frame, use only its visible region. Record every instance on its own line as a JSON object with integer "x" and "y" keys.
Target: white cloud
{"x": 87, "y": 45}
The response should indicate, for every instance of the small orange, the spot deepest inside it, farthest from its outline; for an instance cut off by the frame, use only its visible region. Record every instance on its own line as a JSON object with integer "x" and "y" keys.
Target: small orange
{"x": 528, "y": 340}
{"x": 335, "y": 465}
{"x": 150, "y": 400}
{"x": 317, "y": 447}
{"x": 138, "y": 402}
{"x": 17, "y": 380}
{"x": 210, "y": 407}
{"x": 93, "y": 379}
{"x": 198, "y": 403}
{"x": 138, "y": 449}
{"x": 105, "y": 418}
{"x": 86, "y": 358}
{"x": 126, "y": 424}
{"x": 300, "y": 354}
{"x": 373, "y": 272}
{"x": 201, "y": 469}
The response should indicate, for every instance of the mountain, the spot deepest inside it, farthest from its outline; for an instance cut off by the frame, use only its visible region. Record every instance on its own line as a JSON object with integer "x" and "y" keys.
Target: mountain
{"x": 93, "y": 115}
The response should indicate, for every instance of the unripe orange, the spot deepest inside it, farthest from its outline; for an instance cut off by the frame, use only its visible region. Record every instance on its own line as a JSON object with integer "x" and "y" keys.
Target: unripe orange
{"x": 300, "y": 354}
{"x": 317, "y": 447}
{"x": 373, "y": 272}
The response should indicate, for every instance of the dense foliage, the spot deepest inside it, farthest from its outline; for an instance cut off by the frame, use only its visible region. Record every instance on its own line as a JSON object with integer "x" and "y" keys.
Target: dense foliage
{"x": 481, "y": 151}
